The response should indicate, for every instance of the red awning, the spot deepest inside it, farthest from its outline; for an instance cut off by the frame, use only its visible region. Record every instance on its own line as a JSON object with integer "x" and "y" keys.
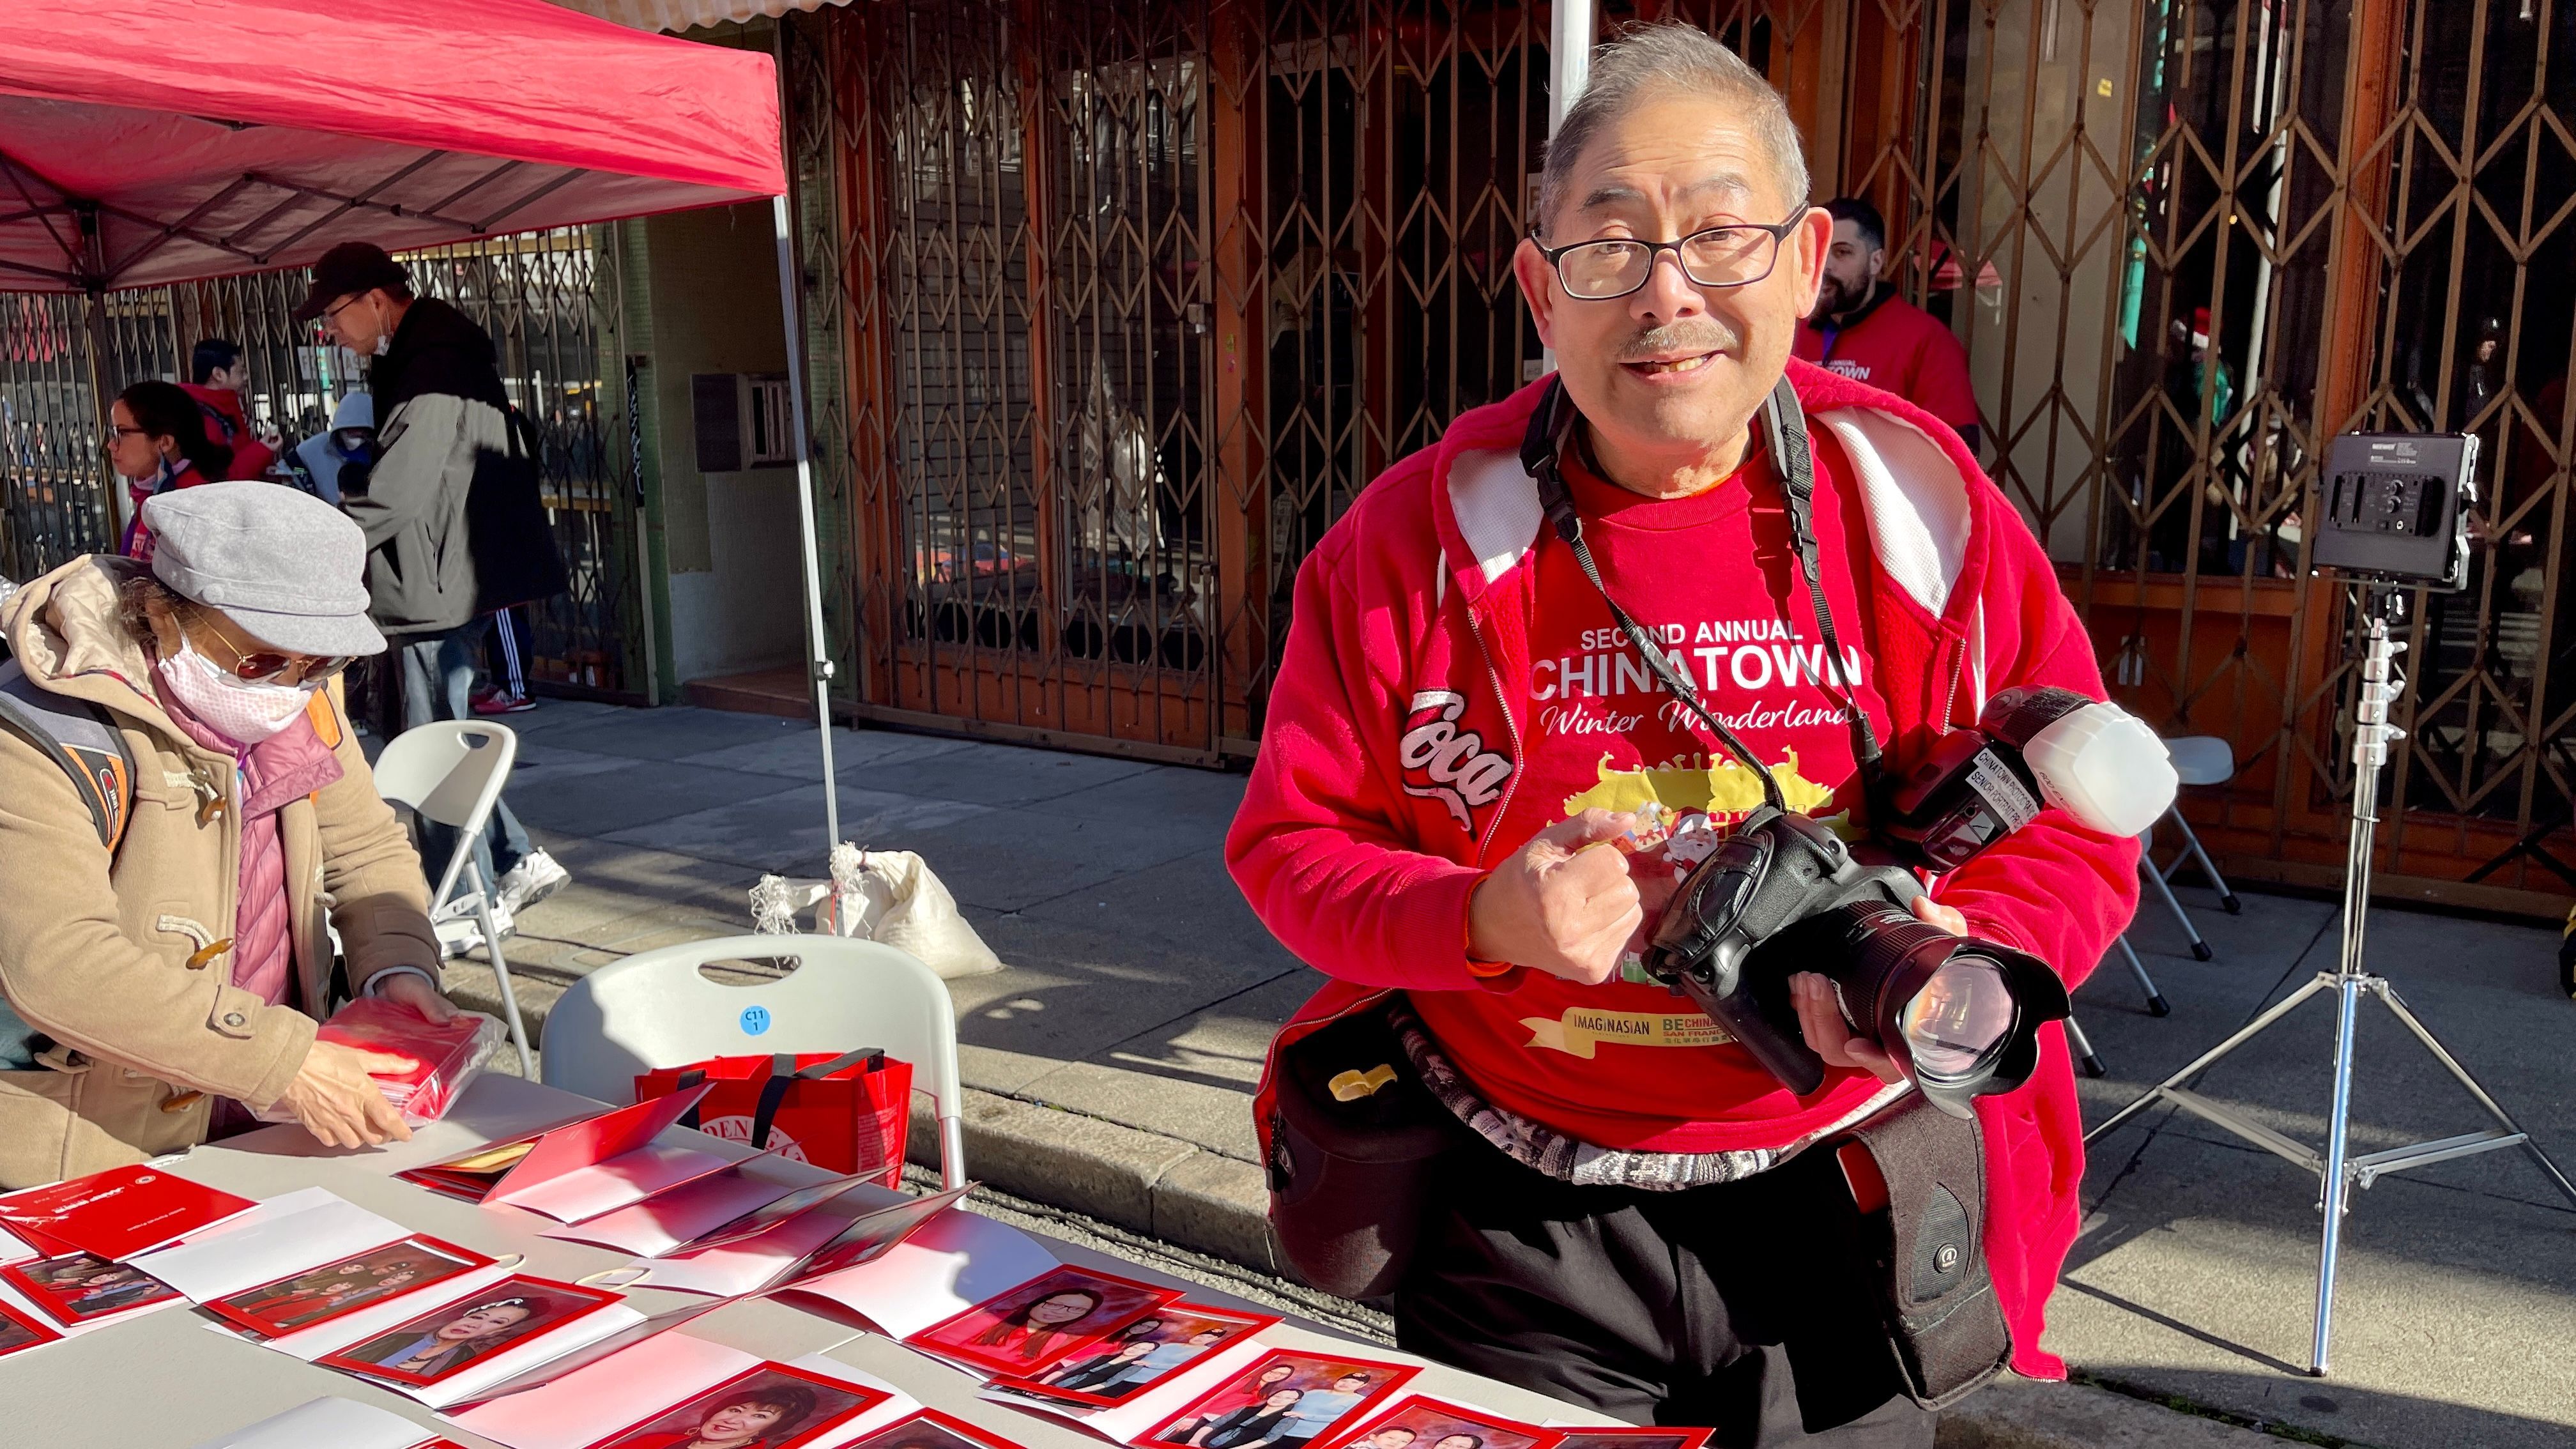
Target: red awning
{"x": 152, "y": 141}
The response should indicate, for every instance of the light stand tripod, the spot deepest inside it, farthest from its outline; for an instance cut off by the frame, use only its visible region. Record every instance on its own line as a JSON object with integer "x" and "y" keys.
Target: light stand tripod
{"x": 2338, "y": 1173}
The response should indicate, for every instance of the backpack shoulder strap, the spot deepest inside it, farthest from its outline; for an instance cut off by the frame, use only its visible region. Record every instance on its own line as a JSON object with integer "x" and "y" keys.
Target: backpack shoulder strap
{"x": 80, "y": 737}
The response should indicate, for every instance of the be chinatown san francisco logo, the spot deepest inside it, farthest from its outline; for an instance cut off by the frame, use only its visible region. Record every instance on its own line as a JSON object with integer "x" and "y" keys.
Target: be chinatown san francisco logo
{"x": 1445, "y": 763}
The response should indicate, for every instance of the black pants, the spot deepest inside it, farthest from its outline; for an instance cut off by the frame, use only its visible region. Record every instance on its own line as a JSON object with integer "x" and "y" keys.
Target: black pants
{"x": 1743, "y": 1307}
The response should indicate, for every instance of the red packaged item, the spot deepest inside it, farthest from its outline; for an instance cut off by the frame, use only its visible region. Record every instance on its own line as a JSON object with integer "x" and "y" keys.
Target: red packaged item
{"x": 445, "y": 1059}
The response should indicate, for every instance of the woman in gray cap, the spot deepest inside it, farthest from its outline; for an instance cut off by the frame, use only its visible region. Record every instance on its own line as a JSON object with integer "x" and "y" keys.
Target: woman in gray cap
{"x": 163, "y": 950}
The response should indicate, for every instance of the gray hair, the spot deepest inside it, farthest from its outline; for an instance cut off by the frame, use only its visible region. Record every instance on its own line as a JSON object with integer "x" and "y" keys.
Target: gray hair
{"x": 1648, "y": 61}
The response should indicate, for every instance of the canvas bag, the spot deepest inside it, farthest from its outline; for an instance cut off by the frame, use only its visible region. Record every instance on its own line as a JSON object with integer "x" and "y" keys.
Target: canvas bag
{"x": 846, "y": 1114}
{"x": 887, "y": 896}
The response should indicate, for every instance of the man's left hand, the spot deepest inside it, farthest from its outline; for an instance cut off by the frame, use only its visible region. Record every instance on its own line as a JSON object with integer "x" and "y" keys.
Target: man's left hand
{"x": 420, "y": 996}
{"x": 1820, "y": 1016}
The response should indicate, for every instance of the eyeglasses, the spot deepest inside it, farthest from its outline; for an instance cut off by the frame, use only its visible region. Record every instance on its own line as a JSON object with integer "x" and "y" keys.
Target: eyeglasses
{"x": 264, "y": 666}
{"x": 331, "y": 314}
{"x": 1735, "y": 255}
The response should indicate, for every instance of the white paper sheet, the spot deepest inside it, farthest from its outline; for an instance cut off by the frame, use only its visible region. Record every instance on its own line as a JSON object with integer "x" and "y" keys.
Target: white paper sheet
{"x": 1131, "y": 1420}
{"x": 900, "y": 1406}
{"x": 589, "y": 1404}
{"x": 280, "y": 1238}
{"x": 335, "y": 1423}
{"x": 746, "y": 1266}
{"x": 664, "y": 1221}
{"x": 629, "y": 1178}
{"x": 955, "y": 1261}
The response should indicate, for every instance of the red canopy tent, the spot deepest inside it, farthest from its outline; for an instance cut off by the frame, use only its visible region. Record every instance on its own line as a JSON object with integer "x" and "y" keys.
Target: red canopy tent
{"x": 152, "y": 141}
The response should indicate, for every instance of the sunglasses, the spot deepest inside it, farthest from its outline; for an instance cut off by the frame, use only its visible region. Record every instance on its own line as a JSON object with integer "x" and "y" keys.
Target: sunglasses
{"x": 267, "y": 666}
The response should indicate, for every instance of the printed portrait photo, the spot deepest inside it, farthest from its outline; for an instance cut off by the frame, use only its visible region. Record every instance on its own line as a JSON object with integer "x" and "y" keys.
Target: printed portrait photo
{"x": 452, "y": 1337}
{"x": 18, "y": 1331}
{"x": 1634, "y": 1438}
{"x": 1124, "y": 1364}
{"x": 77, "y": 1288}
{"x": 1419, "y": 1423}
{"x": 931, "y": 1429}
{"x": 1052, "y": 1316}
{"x": 769, "y": 1407}
{"x": 282, "y": 1307}
{"x": 1292, "y": 1400}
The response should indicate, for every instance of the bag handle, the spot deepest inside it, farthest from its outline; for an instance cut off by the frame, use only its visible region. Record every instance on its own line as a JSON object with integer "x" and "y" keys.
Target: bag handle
{"x": 781, "y": 1074}
{"x": 687, "y": 1079}
{"x": 873, "y": 1056}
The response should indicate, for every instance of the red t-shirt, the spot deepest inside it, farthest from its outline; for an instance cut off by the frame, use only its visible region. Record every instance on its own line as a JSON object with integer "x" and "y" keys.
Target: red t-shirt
{"x": 1715, "y": 577}
{"x": 1899, "y": 348}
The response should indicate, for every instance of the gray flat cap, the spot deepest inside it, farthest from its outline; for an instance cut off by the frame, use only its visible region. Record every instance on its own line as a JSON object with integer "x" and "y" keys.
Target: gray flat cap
{"x": 287, "y": 567}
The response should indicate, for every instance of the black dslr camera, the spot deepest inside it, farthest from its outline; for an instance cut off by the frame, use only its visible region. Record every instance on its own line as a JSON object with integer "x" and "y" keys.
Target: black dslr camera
{"x": 1784, "y": 894}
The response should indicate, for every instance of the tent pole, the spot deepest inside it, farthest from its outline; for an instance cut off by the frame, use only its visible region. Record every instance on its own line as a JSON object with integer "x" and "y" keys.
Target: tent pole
{"x": 1569, "y": 69}
{"x": 819, "y": 647}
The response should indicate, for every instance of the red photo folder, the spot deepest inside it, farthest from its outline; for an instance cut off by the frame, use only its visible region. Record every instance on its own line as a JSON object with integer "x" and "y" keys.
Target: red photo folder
{"x": 619, "y": 1138}
{"x": 118, "y": 1213}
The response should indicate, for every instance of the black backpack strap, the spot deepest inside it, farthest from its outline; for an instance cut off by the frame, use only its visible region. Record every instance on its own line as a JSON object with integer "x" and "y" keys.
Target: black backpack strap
{"x": 80, "y": 737}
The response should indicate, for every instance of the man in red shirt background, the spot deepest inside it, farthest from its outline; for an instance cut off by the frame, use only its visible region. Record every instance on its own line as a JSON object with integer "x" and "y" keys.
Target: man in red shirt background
{"x": 1866, "y": 332}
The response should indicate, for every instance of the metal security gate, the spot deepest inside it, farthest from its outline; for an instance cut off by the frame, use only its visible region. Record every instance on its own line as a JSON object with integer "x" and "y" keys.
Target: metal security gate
{"x": 551, "y": 302}
{"x": 2187, "y": 243}
{"x": 1128, "y": 302}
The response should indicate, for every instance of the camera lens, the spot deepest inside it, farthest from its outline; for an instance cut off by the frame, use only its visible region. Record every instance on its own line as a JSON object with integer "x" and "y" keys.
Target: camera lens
{"x": 1961, "y": 1019}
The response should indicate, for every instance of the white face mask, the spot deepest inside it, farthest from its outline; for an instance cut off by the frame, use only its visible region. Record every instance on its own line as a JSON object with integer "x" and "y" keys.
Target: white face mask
{"x": 245, "y": 713}
{"x": 384, "y": 343}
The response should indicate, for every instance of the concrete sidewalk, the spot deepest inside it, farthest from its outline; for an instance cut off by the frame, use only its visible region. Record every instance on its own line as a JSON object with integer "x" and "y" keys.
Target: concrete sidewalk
{"x": 1110, "y": 1065}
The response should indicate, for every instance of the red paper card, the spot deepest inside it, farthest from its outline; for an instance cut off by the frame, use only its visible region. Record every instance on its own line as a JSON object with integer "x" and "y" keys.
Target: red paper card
{"x": 121, "y": 1212}
{"x": 1061, "y": 1311}
{"x": 772, "y": 1406}
{"x": 19, "y": 1331}
{"x": 361, "y": 1280}
{"x": 445, "y": 1341}
{"x": 1415, "y": 1422}
{"x": 1327, "y": 1391}
{"x": 1139, "y": 1355}
{"x": 81, "y": 1288}
{"x": 1632, "y": 1438}
{"x": 931, "y": 1429}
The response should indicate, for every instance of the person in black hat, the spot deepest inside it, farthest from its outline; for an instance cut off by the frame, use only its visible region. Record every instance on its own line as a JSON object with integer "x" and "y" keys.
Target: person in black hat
{"x": 450, "y": 467}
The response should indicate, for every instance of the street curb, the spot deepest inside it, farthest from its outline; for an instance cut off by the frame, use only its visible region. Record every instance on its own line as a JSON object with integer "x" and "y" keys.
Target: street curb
{"x": 1182, "y": 1193}
{"x": 2019, "y": 1413}
{"x": 1142, "y": 1181}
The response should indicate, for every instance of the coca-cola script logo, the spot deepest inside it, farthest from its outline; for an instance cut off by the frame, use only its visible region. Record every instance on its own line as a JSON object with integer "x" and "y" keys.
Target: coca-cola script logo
{"x": 1445, "y": 763}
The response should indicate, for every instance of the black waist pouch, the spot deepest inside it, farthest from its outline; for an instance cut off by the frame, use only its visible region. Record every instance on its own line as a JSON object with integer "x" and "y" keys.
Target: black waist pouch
{"x": 1928, "y": 1244}
{"x": 1353, "y": 1139}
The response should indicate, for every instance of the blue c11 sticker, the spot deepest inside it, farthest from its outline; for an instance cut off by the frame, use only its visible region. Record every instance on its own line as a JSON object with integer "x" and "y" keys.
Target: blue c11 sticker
{"x": 755, "y": 1020}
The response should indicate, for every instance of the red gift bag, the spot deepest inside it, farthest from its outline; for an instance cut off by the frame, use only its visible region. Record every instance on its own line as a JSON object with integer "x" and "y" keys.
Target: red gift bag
{"x": 846, "y": 1114}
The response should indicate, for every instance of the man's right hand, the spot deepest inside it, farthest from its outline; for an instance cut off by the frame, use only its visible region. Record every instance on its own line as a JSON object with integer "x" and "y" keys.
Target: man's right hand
{"x": 1563, "y": 905}
{"x": 339, "y": 1103}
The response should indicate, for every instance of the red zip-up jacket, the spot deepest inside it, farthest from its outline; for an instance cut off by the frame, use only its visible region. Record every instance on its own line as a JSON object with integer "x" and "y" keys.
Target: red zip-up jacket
{"x": 1423, "y": 596}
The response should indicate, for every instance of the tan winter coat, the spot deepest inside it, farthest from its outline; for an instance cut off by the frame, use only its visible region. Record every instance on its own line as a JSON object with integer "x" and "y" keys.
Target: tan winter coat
{"x": 122, "y": 961}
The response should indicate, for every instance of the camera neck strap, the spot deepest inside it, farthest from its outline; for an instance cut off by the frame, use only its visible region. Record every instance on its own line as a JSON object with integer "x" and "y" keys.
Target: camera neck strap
{"x": 1785, "y": 432}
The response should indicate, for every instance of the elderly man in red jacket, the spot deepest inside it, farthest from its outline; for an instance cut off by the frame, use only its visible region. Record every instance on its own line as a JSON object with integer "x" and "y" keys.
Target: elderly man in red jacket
{"x": 1457, "y": 724}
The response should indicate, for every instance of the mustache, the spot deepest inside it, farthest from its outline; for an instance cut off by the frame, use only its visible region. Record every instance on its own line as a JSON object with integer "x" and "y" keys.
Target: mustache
{"x": 1698, "y": 334}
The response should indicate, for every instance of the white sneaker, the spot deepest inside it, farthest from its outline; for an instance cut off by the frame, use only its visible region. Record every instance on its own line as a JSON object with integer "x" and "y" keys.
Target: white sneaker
{"x": 461, "y": 935}
{"x": 534, "y": 878}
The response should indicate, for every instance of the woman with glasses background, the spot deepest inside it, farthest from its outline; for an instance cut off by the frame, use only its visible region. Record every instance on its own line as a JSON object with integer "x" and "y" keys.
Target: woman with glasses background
{"x": 157, "y": 442}
{"x": 163, "y": 960}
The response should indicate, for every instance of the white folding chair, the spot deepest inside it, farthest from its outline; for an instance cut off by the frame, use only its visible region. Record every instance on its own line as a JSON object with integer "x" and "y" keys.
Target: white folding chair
{"x": 656, "y": 1009}
{"x": 2197, "y": 760}
{"x": 451, "y": 771}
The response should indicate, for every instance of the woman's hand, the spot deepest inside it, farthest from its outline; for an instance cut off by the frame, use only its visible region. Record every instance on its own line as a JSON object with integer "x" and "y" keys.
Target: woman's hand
{"x": 339, "y": 1103}
{"x": 420, "y": 996}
